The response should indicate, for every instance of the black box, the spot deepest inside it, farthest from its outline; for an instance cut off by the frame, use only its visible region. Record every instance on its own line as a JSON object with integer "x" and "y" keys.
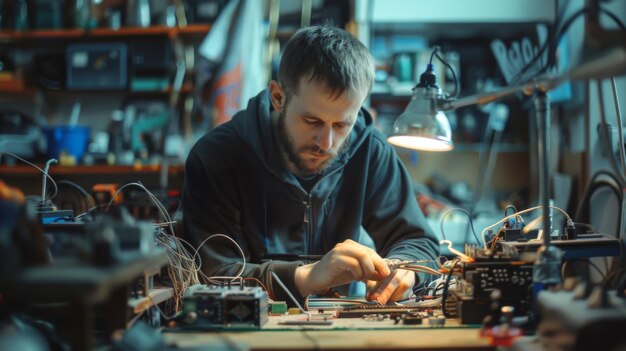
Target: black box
{"x": 97, "y": 66}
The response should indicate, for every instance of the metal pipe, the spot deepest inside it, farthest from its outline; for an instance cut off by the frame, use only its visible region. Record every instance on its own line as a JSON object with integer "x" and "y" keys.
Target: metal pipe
{"x": 542, "y": 115}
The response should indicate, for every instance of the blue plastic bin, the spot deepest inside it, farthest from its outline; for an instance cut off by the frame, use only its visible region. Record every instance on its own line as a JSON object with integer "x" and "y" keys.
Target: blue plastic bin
{"x": 69, "y": 139}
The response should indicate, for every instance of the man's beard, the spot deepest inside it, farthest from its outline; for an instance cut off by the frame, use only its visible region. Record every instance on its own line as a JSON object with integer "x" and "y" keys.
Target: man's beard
{"x": 300, "y": 164}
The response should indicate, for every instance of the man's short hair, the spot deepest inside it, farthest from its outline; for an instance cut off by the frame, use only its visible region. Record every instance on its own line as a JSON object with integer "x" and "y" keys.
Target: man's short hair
{"x": 330, "y": 56}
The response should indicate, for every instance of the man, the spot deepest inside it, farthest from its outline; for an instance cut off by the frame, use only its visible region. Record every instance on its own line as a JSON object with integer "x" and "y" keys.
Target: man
{"x": 304, "y": 171}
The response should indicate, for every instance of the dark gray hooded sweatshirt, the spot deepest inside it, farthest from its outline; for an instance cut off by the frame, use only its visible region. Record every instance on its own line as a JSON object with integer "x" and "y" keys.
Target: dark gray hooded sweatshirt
{"x": 236, "y": 184}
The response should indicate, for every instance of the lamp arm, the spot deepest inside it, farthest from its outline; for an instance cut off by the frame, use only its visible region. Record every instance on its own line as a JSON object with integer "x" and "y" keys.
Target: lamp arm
{"x": 542, "y": 84}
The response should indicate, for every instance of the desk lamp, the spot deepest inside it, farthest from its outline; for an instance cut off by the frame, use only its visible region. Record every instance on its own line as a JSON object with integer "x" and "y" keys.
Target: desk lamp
{"x": 424, "y": 126}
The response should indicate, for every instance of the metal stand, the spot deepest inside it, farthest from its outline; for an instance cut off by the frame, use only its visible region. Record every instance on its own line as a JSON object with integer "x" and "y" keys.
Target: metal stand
{"x": 542, "y": 115}
{"x": 547, "y": 265}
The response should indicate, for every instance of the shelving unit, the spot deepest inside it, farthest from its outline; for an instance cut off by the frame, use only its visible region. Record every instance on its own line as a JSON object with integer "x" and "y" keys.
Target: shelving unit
{"x": 28, "y": 178}
{"x": 177, "y": 35}
{"x": 14, "y": 36}
{"x": 467, "y": 28}
{"x": 21, "y": 90}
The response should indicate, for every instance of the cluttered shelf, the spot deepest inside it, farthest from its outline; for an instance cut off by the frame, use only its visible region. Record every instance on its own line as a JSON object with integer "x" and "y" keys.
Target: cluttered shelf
{"x": 194, "y": 29}
{"x": 28, "y": 179}
{"x": 23, "y": 170}
{"x": 20, "y": 91}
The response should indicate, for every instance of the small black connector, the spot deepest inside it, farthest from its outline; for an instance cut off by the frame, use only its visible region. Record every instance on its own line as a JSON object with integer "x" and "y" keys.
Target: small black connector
{"x": 570, "y": 231}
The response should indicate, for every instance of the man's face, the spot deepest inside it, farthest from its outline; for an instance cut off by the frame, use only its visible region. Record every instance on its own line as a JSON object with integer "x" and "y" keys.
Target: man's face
{"x": 313, "y": 126}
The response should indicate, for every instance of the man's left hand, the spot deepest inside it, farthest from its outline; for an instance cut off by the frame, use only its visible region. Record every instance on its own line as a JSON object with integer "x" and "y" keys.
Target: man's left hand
{"x": 397, "y": 286}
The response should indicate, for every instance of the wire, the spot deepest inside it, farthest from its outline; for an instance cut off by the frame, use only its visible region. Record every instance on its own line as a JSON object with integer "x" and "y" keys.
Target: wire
{"x": 517, "y": 214}
{"x": 506, "y": 210}
{"x": 421, "y": 269}
{"x": 469, "y": 216}
{"x": 509, "y": 206}
{"x": 582, "y": 212}
{"x": 56, "y": 189}
{"x": 555, "y": 39}
{"x": 432, "y": 55}
{"x": 132, "y": 321}
{"x": 395, "y": 263}
{"x": 262, "y": 286}
{"x": 604, "y": 138}
{"x": 183, "y": 269}
{"x": 444, "y": 294}
{"x": 620, "y": 130}
{"x": 90, "y": 200}
{"x": 615, "y": 275}
{"x": 152, "y": 197}
{"x": 581, "y": 259}
{"x": 280, "y": 282}
{"x": 490, "y": 143}
{"x": 461, "y": 255}
{"x": 432, "y": 303}
{"x": 491, "y": 162}
{"x": 243, "y": 257}
{"x": 165, "y": 316}
{"x": 457, "y": 89}
{"x": 316, "y": 345}
{"x": 613, "y": 17}
{"x": 548, "y": 43}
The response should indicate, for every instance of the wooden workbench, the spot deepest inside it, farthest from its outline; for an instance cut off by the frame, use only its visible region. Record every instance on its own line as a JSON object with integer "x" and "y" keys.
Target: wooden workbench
{"x": 344, "y": 334}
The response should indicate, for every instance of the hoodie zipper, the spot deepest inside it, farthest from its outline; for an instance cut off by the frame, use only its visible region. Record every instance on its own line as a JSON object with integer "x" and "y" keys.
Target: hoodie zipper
{"x": 308, "y": 211}
{"x": 308, "y": 216}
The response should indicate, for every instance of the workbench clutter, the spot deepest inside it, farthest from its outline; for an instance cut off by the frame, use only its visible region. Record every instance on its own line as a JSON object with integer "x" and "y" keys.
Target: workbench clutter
{"x": 243, "y": 175}
{"x": 83, "y": 273}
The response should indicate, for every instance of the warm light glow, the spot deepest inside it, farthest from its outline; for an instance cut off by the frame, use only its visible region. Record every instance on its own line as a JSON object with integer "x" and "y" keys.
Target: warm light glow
{"x": 423, "y": 125}
{"x": 420, "y": 143}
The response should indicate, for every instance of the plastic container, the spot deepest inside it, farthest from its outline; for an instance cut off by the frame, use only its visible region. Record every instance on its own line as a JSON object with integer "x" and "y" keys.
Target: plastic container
{"x": 71, "y": 140}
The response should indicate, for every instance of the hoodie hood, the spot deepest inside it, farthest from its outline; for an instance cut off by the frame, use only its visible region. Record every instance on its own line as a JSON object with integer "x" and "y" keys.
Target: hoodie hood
{"x": 254, "y": 127}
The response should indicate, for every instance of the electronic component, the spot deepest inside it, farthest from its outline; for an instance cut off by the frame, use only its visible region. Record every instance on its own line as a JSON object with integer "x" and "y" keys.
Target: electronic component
{"x": 412, "y": 319}
{"x": 569, "y": 320}
{"x": 219, "y": 307}
{"x": 491, "y": 270}
{"x": 19, "y": 133}
{"x": 56, "y": 216}
{"x": 278, "y": 307}
{"x": 516, "y": 234}
{"x": 96, "y": 66}
{"x": 585, "y": 245}
{"x": 358, "y": 311}
{"x": 151, "y": 61}
{"x": 439, "y": 321}
{"x": 512, "y": 278}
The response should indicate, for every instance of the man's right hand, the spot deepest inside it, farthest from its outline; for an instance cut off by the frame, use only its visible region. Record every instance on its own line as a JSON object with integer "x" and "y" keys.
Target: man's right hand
{"x": 346, "y": 262}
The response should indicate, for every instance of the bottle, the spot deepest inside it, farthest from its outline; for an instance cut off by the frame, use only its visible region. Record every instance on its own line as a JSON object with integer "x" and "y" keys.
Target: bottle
{"x": 139, "y": 13}
{"x": 21, "y": 15}
{"x": 143, "y": 13}
{"x": 81, "y": 13}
